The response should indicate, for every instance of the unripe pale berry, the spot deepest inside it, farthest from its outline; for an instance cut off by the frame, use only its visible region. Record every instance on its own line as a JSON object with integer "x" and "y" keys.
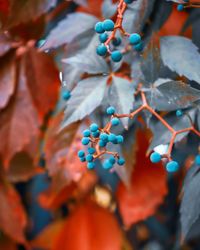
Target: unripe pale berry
{"x": 116, "y": 56}
{"x": 155, "y": 157}
{"x": 134, "y": 38}
{"x": 108, "y": 25}
{"x": 172, "y": 166}
{"x": 99, "y": 28}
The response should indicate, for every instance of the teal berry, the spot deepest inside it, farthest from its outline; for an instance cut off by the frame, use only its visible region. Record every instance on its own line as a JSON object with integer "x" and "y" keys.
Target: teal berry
{"x": 86, "y": 133}
{"x": 179, "y": 113}
{"x": 180, "y": 7}
{"x": 134, "y": 38}
{"x": 108, "y": 25}
{"x": 85, "y": 141}
{"x": 101, "y": 50}
{"x": 112, "y": 160}
{"x": 128, "y": 1}
{"x": 110, "y": 111}
{"x": 91, "y": 150}
{"x": 197, "y": 160}
{"x": 172, "y": 166}
{"x": 120, "y": 139}
{"x": 94, "y": 127}
{"x": 107, "y": 164}
{"x": 155, "y": 157}
{"x": 138, "y": 47}
{"x": 112, "y": 138}
{"x": 96, "y": 134}
{"x": 89, "y": 158}
{"x": 81, "y": 153}
{"x": 90, "y": 165}
{"x": 116, "y": 56}
{"x": 116, "y": 41}
{"x": 115, "y": 121}
{"x": 103, "y": 37}
{"x": 66, "y": 95}
{"x": 99, "y": 28}
{"x": 104, "y": 137}
{"x": 102, "y": 143}
{"x": 121, "y": 161}
{"x": 82, "y": 159}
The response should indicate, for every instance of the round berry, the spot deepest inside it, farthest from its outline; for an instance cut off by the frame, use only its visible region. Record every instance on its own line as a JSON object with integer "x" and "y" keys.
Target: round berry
{"x": 102, "y": 143}
{"x": 89, "y": 158}
{"x": 179, "y": 113}
{"x": 110, "y": 110}
{"x": 138, "y": 47}
{"x": 81, "y": 153}
{"x": 85, "y": 141}
{"x": 101, "y": 50}
{"x": 180, "y": 7}
{"x": 116, "y": 41}
{"x": 96, "y": 134}
{"x": 128, "y": 1}
{"x": 86, "y": 133}
{"x": 116, "y": 56}
{"x": 94, "y": 127}
{"x": 155, "y": 157}
{"x": 115, "y": 121}
{"x": 197, "y": 160}
{"x": 82, "y": 159}
{"x": 103, "y": 37}
{"x": 112, "y": 138}
{"x": 99, "y": 27}
{"x": 134, "y": 38}
{"x": 172, "y": 166}
{"x": 112, "y": 160}
{"x": 120, "y": 139}
{"x": 104, "y": 137}
{"x": 90, "y": 165}
{"x": 108, "y": 25}
{"x": 66, "y": 95}
{"x": 121, "y": 161}
{"x": 107, "y": 164}
{"x": 91, "y": 150}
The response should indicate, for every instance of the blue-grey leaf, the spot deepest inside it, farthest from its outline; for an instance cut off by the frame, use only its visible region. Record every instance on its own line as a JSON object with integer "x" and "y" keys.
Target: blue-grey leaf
{"x": 108, "y": 9}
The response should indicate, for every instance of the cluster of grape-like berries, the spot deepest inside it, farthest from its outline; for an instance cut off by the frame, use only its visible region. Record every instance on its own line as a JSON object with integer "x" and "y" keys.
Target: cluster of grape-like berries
{"x": 180, "y": 7}
{"x": 103, "y": 49}
{"x": 98, "y": 138}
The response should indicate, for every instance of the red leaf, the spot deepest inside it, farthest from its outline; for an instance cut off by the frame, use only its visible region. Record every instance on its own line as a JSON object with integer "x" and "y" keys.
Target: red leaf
{"x": 7, "y": 244}
{"x": 12, "y": 215}
{"x": 89, "y": 227}
{"x": 147, "y": 190}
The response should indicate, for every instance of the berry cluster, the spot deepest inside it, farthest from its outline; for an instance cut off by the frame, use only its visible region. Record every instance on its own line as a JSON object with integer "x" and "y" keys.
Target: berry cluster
{"x": 106, "y": 38}
{"x": 98, "y": 140}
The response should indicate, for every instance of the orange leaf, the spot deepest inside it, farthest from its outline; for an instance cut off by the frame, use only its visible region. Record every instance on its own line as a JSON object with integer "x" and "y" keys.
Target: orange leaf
{"x": 147, "y": 190}
{"x": 89, "y": 227}
{"x": 93, "y": 8}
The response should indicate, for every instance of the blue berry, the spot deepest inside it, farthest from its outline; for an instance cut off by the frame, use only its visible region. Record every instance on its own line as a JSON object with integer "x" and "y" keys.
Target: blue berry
{"x": 94, "y": 127}
{"x": 112, "y": 160}
{"x": 115, "y": 121}
{"x": 120, "y": 139}
{"x": 116, "y": 56}
{"x": 96, "y": 134}
{"x": 180, "y": 7}
{"x": 121, "y": 161}
{"x": 179, "y": 113}
{"x": 89, "y": 158}
{"x": 134, "y": 38}
{"x": 66, "y": 95}
{"x": 129, "y": 1}
{"x": 82, "y": 159}
{"x": 81, "y": 153}
{"x": 197, "y": 160}
{"x": 155, "y": 157}
{"x": 112, "y": 138}
{"x": 108, "y": 25}
{"x": 103, "y": 37}
{"x": 91, "y": 150}
{"x": 102, "y": 143}
{"x": 116, "y": 41}
{"x": 110, "y": 110}
{"x": 107, "y": 164}
{"x": 104, "y": 137}
{"x": 86, "y": 133}
{"x": 99, "y": 27}
{"x": 172, "y": 166}
{"x": 90, "y": 165}
{"x": 138, "y": 47}
{"x": 85, "y": 141}
{"x": 101, "y": 50}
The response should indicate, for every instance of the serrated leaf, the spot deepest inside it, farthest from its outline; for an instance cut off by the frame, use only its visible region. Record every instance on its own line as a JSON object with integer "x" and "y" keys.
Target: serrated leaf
{"x": 182, "y": 56}
{"x": 108, "y": 9}
{"x": 86, "y": 97}
{"x": 68, "y": 29}
{"x": 121, "y": 96}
